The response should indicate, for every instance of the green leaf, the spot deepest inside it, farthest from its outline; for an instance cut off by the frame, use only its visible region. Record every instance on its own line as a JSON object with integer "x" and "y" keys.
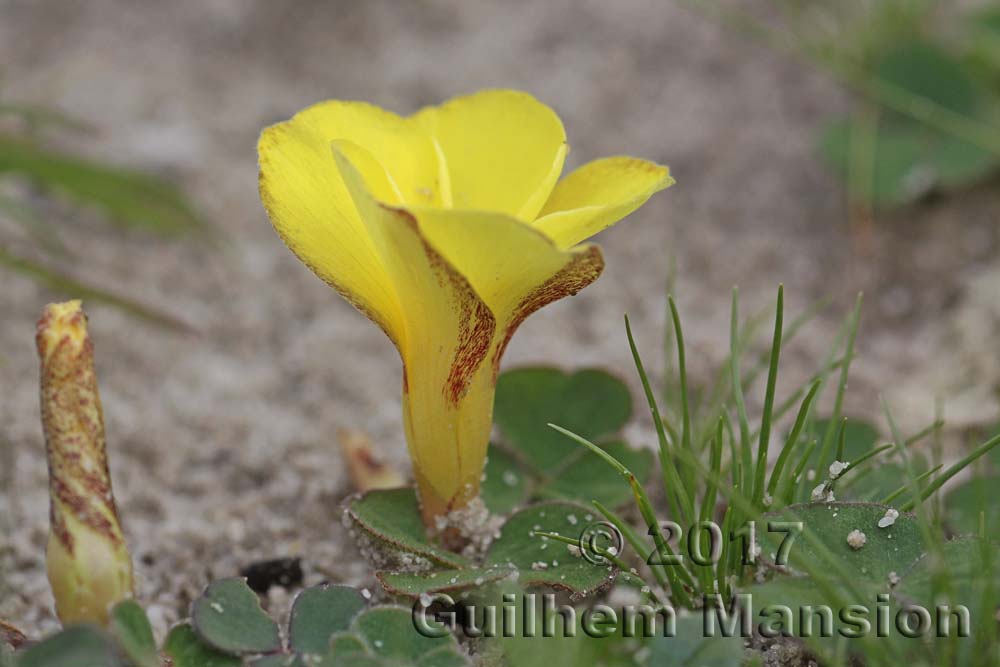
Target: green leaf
{"x": 228, "y": 616}
{"x": 6, "y": 656}
{"x": 587, "y": 477}
{"x": 963, "y": 505}
{"x": 283, "y": 660}
{"x": 131, "y": 628}
{"x": 128, "y": 197}
{"x": 444, "y": 657}
{"x": 925, "y": 69}
{"x": 345, "y": 643}
{"x": 518, "y": 552}
{"x": 319, "y": 613}
{"x": 514, "y": 647}
{"x": 393, "y": 517}
{"x": 881, "y": 479}
{"x": 859, "y": 438}
{"x": 988, "y": 19}
{"x": 73, "y": 647}
{"x": 889, "y": 549}
{"x": 910, "y": 160}
{"x": 545, "y": 562}
{"x": 186, "y": 649}
{"x": 361, "y": 660}
{"x": 440, "y": 581}
{"x": 689, "y": 647}
{"x": 504, "y": 485}
{"x": 389, "y": 633}
{"x": 591, "y": 403}
{"x": 963, "y": 566}
{"x": 803, "y": 597}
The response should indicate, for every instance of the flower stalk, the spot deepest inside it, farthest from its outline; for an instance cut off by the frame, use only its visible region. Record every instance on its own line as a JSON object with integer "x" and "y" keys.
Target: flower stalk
{"x": 88, "y": 562}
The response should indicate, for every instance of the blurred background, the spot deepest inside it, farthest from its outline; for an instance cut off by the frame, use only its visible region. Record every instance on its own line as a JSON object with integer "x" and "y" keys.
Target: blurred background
{"x": 832, "y": 147}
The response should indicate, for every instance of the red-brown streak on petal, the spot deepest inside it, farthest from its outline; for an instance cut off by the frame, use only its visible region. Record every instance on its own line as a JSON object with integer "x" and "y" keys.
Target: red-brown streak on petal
{"x": 74, "y": 436}
{"x": 579, "y": 272}
{"x": 476, "y": 321}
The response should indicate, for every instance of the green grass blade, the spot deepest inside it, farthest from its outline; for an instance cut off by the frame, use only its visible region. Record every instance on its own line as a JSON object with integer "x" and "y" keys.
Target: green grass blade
{"x": 792, "y": 485}
{"x": 746, "y": 460}
{"x": 951, "y": 472}
{"x": 642, "y": 502}
{"x": 682, "y": 372}
{"x": 674, "y": 485}
{"x": 129, "y": 198}
{"x": 845, "y": 370}
{"x": 772, "y": 379}
{"x": 793, "y": 437}
{"x": 906, "y": 487}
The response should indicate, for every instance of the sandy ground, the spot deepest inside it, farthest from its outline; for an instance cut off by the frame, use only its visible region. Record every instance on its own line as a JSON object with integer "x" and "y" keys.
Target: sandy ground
{"x": 223, "y": 443}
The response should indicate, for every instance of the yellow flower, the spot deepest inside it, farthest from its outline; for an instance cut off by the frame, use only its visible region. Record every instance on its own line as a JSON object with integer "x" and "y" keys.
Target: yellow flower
{"x": 88, "y": 562}
{"x": 447, "y": 228}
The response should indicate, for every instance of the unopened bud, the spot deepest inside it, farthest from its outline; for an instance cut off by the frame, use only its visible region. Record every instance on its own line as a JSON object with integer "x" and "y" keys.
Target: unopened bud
{"x": 89, "y": 566}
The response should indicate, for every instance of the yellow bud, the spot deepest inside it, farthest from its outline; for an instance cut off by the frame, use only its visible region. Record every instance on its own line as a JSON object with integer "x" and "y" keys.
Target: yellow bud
{"x": 89, "y": 566}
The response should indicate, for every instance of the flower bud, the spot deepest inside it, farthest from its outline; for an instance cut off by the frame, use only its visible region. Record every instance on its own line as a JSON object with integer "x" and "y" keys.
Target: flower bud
{"x": 89, "y": 566}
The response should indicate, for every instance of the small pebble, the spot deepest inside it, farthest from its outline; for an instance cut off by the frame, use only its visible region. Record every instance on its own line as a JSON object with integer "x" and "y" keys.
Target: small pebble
{"x": 837, "y": 468}
{"x": 890, "y": 518}
{"x": 856, "y": 539}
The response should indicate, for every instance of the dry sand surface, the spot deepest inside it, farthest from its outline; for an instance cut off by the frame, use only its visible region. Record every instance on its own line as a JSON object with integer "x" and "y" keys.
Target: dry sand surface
{"x": 223, "y": 444}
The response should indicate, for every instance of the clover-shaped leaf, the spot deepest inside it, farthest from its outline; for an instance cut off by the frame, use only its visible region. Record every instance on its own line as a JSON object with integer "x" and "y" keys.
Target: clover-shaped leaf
{"x": 320, "y": 612}
{"x": 767, "y": 601}
{"x": 228, "y": 616}
{"x": 586, "y": 477}
{"x": 860, "y": 536}
{"x": 285, "y": 660}
{"x": 534, "y": 461}
{"x": 385, "y": 635}
{"x": 520, "y": 552}
{"x": 130, "y": 626}
{"x": 504, "y": 485}
{"x": 591, "y": 403}
{"x": 690, "y": 647}
{"x": 964, "y": 504}
{"x": 967, "y": 565}
{"x": 186, "y": 649}
{"x": 441, "y": 581}
{"x": 345, "y": 643}
{"x": 859, "y": 438}
{"x": 392, "y": 518}
{"x": 73, "y": 647}
{"x": 545, "y": 562}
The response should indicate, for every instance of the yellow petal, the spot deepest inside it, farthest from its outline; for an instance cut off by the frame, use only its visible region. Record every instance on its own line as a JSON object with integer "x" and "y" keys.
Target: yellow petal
{"x": 513, "y": 267}
{"x": 504, "y": 150}
{"x": 311, "y": 209}
{"x": 597, "y": 195}
{"x": 444, "y": 339}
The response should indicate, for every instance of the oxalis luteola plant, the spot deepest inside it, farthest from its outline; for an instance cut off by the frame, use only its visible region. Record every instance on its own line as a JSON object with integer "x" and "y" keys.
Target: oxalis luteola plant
{"x": 447, "y": 229}
{"x": 843, "y": 551}
{"x": 448, "y": 240}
